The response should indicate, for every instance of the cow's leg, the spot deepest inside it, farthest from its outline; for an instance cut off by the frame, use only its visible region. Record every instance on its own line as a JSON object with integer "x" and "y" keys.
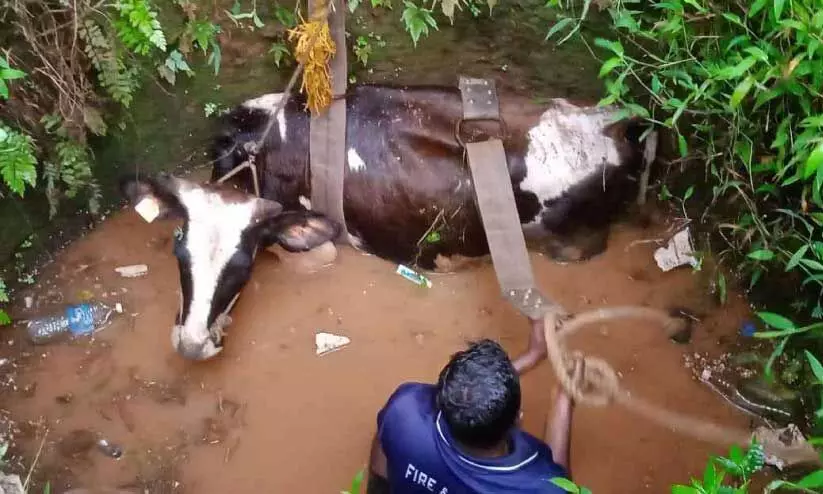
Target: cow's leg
{"x": 536, "y": 351}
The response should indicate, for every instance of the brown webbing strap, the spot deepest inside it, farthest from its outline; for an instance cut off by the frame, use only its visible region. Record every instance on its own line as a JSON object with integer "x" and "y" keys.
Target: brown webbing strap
{"x": 327, "y": 134}
{"x": 495, "y": 199}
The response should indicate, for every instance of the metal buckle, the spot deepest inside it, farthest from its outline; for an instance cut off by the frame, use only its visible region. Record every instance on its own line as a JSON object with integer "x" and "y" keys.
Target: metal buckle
{"x": 458, "y": 129}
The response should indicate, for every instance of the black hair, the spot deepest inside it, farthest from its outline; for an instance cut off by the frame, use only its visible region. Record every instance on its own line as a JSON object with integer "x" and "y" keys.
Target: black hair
{"x": 478, "y": 393}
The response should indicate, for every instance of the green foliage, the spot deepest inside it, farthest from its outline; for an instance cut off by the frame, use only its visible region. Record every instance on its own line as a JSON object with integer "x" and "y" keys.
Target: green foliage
{"x": 7, "y": 73}
{"x": 739, "y": 86}
{"x": 356, "y": 484}
{"x": 137, "y": 26}
{"x": 237, "y": 15}
{"x": 174, "y": 64}
{"x": 119, "y": 80}
{"x": 280, "y": 51}
{"x": 737, "y": 469}
{"x": 17, "y": 160}
{"x": 364, "y": 47}
{"x": 417, "y": 20}
{"x": 569, "y": 486}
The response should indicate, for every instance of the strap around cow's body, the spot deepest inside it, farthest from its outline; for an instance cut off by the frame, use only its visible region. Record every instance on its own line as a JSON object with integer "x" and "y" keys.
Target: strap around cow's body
{"x": 495, "y": 199}
{"x": 327, "y": 135}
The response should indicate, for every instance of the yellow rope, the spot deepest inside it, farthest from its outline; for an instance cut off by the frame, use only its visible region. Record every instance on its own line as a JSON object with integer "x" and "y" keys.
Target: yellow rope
{"x": 314, "y": 49}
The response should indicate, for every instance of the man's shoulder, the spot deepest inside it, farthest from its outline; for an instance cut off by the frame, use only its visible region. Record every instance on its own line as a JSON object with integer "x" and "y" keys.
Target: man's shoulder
{"x": 411, "y": 394}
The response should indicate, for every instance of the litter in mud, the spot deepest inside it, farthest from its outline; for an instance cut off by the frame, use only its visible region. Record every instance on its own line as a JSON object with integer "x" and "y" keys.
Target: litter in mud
{"x": 327, "y": 343}
{"x": 148, "y": 209}
{"x": 109, "y": 449}
{"x": 133, "y": 271}
{"x": 413, "y": 276}
{"x": 678, "y": 252}
{"x": 789, "y": 436}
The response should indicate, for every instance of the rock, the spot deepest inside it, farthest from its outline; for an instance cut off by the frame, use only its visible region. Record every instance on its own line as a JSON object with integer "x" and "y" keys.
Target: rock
{"x": 132, "y": 271}
{"x": 10, "y": 484}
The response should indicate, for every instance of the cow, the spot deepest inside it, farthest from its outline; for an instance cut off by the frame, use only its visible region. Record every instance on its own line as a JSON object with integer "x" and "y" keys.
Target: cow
{"x": 408, "y": 194}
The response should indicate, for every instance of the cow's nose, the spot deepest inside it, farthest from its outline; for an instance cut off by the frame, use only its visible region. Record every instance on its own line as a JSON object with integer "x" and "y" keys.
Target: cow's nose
{"x": 195, "y": 350}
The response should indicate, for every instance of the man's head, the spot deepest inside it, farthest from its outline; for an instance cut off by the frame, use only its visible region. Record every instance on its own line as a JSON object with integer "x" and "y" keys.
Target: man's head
{"x": 478, "y": 393}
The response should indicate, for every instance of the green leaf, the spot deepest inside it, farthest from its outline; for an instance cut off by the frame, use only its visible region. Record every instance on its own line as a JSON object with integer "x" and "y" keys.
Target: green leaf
{"x": 565, "y": 484}
{"x": 682, "y": 146}
{"x": 609, "y": 65}
{"x": 613, "y": 46}
{"x": 761, "y": 255}
{"x": 11, "y": 74}
{"x": 814, "y": 162}
{"x": 796, "y": 257}
{"x": 722, "y": 291}
{"x": 559, "y": 26}
{"x": 257, "y": 21}
{"x": 741, "y": 91}
{"x": 817, "y": 367}
{"x": 417, "y": 21}
{"x": 684, "y": 489}
{"x": 4, "y": 89}
{"x": 776, "y": 321}
{"x": 757, "y": 6}
{"x": 778, "y": 8}
{"x": 814, "y": 479}
{"x": 4, "y": 318}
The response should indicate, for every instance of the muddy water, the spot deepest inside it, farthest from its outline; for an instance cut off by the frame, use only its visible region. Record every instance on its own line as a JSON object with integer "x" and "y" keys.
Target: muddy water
{"x": 270, "y": 416}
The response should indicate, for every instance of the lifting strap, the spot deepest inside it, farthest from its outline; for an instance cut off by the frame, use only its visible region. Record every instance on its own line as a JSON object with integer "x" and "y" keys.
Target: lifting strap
{"x": 327, "y": 134}
{"x": 495, "y": 200}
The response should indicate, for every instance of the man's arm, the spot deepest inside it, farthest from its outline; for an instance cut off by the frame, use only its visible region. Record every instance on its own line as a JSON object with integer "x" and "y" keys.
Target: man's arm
{"x": 559, "y": 427}
{"x": 378, "y": 476}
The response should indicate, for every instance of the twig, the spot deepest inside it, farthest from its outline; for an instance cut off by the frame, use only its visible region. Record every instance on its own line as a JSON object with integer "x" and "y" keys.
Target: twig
{"x": 34, "y": 463}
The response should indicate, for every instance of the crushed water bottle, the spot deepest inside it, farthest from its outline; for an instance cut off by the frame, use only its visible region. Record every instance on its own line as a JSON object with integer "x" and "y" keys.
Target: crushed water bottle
{"x": 77, "y": 320}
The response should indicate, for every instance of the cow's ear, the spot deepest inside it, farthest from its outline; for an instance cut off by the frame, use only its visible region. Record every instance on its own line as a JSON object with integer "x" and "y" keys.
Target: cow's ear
{"x": 265, "y": 211}
{"x": 299, "y": 231}
{"x": 154, "y": 197}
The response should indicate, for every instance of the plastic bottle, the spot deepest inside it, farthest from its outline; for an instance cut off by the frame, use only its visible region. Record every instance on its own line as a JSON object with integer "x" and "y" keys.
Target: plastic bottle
{"x": 79, "y": 319}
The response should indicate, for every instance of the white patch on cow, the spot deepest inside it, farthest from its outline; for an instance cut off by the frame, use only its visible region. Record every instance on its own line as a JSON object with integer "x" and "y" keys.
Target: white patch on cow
{"x": 269, "y": 102}
{"x": 356, "y": 163}
{"x": 566, "y": 147}
{"x": 305, "y": 202}
{"x": 214, "y": 232}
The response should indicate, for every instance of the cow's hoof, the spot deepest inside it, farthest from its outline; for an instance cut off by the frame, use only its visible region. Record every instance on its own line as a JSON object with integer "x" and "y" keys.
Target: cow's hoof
{"x": 577, "y": 247}
{"x": 457, "y": 263}
{"x": 307, "y": 262}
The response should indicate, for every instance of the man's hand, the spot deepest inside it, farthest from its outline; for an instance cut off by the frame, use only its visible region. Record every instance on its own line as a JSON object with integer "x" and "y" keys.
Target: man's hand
{"x": 377, "y": 482}
{"x": 558, "y": 428}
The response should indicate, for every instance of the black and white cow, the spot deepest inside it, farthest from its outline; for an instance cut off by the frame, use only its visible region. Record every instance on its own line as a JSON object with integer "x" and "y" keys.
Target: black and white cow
{"x": 572, "y": 170}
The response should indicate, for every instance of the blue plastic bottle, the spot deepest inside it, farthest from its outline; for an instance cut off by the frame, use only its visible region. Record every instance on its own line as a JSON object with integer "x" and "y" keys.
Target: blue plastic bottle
{"x": 76, "y": 320}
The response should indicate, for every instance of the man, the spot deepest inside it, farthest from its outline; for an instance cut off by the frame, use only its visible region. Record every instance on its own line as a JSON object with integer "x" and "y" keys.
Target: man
{"x": 462, "y": 435}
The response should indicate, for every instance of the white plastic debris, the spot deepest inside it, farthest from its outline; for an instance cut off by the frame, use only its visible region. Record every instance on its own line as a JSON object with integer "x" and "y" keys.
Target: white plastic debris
{"x": 132, "y": 271}
{"x": 413, "y": 276}
{"x": 148, "y": 209}
{"x": 326, "y": 342}
{"x": 679, "y": 252}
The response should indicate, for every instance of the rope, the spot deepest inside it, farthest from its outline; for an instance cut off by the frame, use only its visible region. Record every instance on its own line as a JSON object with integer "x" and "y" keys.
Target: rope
{"x": 309, "y": 36}
{"x": 598, "y": 385}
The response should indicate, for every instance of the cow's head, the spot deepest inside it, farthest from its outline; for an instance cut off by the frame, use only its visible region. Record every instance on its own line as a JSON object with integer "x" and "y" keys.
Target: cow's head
{"x": 222, "y": 231}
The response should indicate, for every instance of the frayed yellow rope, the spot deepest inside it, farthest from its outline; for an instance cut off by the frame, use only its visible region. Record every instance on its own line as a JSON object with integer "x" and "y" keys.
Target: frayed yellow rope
{"x": 314, "y": 49}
